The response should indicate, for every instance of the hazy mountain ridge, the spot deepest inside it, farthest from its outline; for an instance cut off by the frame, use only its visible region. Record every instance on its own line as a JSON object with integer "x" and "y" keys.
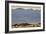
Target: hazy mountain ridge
{"x": 21, "y": 14}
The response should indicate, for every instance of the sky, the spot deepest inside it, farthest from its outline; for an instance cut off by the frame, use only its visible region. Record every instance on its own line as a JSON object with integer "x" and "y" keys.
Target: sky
{"x": 25, "y": 15}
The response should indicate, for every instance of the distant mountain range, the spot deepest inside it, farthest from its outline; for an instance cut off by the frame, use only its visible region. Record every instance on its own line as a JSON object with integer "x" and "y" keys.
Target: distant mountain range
{"x": 25, "y": 15}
